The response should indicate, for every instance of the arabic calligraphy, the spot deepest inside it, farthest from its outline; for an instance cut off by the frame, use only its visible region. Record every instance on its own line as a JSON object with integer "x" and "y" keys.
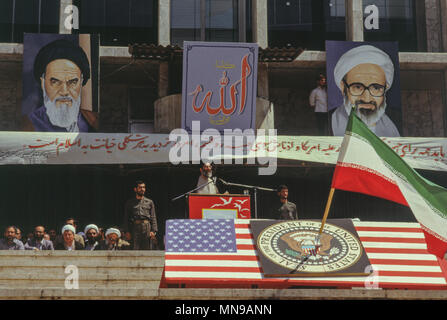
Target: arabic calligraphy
{"x": 129, "y": 142}
{"x": 122, "y": 148}
{"x": 223, "y": 65}
{"x": 414, "y": 151}
{"x": 223, "y": 83}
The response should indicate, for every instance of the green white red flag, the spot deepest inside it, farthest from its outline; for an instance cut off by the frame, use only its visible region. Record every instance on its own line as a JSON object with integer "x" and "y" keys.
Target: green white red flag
{"x": 368, "y": 165}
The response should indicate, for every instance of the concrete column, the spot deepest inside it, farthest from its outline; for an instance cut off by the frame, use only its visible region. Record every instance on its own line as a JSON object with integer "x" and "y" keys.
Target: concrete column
{"x": 443, "y": 15}
{"x": 165, "y": 107}
{"x": 354, "y": 20}
{"x": 444, "y": 100}
{"x": 260, "y": 24}
{"x": 163, "y": 79}
{"x": 164, "y": 22}
{"x": 264, "y": 109}
{"x": 63, "y": 16}
{"x": 263, "y": 80}
{"x": 421, "y": 30}
{"x": 433, "y": 25}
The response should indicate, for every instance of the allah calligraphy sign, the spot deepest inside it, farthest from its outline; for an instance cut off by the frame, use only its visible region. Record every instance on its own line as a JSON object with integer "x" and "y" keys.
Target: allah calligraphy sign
{"x": 219, "y": 85}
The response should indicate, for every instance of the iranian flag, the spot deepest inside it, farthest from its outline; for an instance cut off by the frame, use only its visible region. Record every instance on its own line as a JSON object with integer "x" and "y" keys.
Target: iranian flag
{"x": 367, "y": 165}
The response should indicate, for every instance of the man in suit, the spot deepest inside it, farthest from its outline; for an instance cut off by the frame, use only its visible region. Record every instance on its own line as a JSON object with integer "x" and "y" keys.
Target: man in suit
{"x": 38, "y": 242}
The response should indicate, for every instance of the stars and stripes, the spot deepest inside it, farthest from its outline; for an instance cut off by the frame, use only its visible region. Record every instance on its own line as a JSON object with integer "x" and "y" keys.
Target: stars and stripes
{"x": 397, "y": 251}
{"x": 212, "y": 235}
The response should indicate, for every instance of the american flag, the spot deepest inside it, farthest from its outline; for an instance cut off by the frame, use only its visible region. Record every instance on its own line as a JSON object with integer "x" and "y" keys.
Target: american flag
{"x": 197, "y": 235}
{"x": 396, "y": 250}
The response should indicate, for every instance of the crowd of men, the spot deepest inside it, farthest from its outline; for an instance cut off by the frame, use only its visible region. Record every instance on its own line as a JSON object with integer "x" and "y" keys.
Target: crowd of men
{"x": 91, "y": 238}
{"x": 138, "y": 232}
{"x": 139, "y": 225}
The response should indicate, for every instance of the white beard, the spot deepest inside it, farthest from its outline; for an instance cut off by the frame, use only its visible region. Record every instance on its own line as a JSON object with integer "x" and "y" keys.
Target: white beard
{"x": 371, "y": 119}
{"x": 63, "y": 116}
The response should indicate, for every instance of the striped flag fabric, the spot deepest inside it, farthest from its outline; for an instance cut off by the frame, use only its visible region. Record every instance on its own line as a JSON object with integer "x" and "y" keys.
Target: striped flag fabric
{"x": 397, "y": 251}
{"x": 368, "y": 165}
{"x": 198, "y": 235}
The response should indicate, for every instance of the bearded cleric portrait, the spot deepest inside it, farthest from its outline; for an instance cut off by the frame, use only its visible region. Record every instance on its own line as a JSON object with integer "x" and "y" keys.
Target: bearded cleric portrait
{"x": 59, "y": 83}
{"x": 365, "y": 76}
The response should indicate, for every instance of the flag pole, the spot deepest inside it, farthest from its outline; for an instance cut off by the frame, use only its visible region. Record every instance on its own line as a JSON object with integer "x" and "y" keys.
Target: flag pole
{"x": 326, "y": 211}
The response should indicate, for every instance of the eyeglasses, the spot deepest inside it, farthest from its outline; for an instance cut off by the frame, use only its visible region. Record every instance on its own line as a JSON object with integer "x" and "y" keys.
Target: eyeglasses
{"x": 357, "y": 89}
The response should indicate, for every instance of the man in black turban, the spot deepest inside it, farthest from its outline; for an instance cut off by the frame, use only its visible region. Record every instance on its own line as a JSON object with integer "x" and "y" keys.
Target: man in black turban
{"x": 62, "y": 69}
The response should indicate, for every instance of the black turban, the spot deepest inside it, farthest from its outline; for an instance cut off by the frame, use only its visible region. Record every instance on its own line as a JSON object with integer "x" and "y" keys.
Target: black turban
{"x": 61, "y": 49}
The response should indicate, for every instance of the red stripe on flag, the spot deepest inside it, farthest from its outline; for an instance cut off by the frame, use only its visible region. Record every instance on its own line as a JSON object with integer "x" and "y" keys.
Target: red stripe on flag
{"x": 389, "y": 229}
{"x": 360, "y": 179}
{"x": 244, "y": 236}
{"x": 395, "y": 250}
{"x": 404, "y": 262}
{"x": 210, "y": 257}
{"x": 212, "y": 269}
{"x": 410, "y": 274}
{"x": 246, "y": 247}
{"x": 403, "y": 240}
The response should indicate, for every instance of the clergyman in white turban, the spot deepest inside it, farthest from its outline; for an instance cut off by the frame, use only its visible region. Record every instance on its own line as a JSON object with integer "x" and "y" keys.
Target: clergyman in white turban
{"x": 364, "y": 74}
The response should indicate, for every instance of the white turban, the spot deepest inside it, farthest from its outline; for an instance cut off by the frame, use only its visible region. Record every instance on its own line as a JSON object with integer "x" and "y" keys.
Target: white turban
{"x": 68, "y": 227}
{"x": 113, "y": 230}
{"x": 360, "y": 55}
{"x": 91, "y": 226}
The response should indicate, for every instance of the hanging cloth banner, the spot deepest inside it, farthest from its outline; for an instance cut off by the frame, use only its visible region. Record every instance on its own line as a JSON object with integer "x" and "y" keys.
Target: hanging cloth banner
{"x": 100, "y": 148}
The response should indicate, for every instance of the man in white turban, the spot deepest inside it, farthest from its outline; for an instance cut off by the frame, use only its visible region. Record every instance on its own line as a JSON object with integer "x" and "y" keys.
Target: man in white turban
{"x": 69, "y": 242}
{"x": 113, "y": 241}
{"x": 364, "y": 74}
{"x": 92, "y": 232}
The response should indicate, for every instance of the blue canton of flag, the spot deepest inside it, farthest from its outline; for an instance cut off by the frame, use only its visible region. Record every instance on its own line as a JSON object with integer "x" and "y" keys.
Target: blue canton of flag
{"x": 196, "y": 235}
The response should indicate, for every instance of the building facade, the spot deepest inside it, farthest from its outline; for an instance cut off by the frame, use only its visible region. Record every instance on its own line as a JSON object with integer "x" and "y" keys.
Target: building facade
{"x": 143, "y": 94}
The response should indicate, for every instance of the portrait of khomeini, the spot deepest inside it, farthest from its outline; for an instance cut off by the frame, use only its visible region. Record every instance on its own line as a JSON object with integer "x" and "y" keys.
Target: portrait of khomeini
{"x": 61, "y": 69}
{"x": 363, "y": 75}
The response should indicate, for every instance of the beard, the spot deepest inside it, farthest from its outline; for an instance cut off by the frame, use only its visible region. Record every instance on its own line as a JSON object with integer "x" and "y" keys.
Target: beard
{"x": 207, "y": 174}
{"x": 64, "y": 115}
{"x": 368, "y": 116}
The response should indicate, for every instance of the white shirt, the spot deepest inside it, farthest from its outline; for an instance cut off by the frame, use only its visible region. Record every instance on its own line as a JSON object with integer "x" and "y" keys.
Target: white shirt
{"x": 208, "y": 189}
{"x": 383, "y": 128}
{"x": 318, "y": 99}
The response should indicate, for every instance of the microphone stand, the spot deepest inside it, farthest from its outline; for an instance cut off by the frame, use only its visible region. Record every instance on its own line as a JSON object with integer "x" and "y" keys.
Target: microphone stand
{"x": 255, "y": 192}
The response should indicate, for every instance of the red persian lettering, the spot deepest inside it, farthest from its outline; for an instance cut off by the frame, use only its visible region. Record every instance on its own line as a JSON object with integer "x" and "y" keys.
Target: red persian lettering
{"x": 223, "y": 83}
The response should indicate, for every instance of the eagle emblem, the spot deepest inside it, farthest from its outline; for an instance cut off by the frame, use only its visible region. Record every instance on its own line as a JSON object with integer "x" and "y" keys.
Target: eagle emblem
{"x": 303, "y": 241}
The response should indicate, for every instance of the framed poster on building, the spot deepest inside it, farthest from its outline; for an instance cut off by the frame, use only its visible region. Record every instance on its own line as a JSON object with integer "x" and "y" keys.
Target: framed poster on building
{"x": 60, "y": 82}
{"x": 219, "y": 86}
{"x": 365, "y": 75}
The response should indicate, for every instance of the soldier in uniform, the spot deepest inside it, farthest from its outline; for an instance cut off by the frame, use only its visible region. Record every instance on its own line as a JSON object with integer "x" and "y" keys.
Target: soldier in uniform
{"x": 140, "y": 219}
{"x": 285, "y": 210}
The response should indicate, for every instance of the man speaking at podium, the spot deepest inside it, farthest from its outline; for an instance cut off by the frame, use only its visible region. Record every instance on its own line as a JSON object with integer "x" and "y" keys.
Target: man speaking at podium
{"x": 206, "y": 180}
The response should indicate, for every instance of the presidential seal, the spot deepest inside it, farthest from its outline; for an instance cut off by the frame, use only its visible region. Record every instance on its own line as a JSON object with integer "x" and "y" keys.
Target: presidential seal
{"x": 295, "y": 245}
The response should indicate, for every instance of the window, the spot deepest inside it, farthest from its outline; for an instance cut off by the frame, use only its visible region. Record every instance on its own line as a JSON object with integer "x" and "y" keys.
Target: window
{"x": 305, "y": 23}
{"x": 119, "y": 22}
{"x": 30, "y": 16}
{"x": 210, "y": 20}
{"x": 141, "y": 109}
{"x": 397, "y": 22}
